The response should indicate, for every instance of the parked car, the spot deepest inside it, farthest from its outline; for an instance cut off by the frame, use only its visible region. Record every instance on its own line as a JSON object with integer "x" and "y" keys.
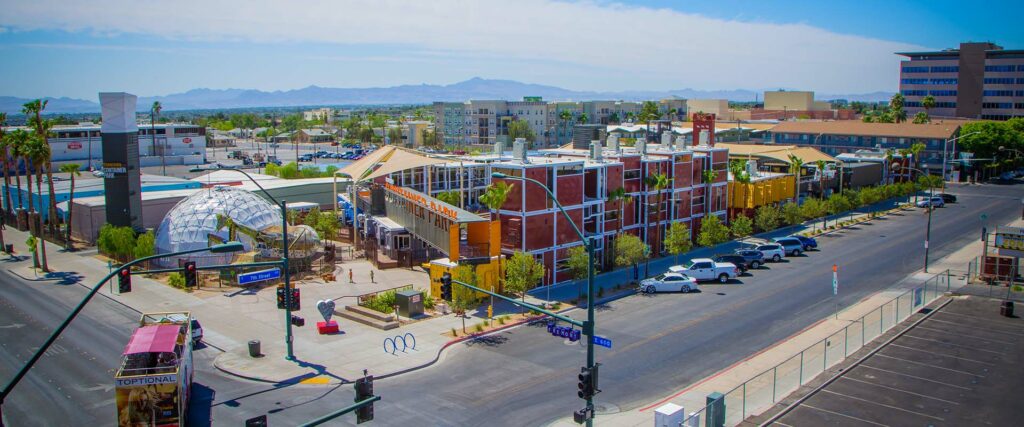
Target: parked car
{"x": 668, "y": 282}
{"x": 754, "y": 258}
{"x": 792, "y": 246}
{"x": 197, "y": 331}
{"x": 948, "y": 198}
{"x": 739, "y": 261}
{"x": 306, "y": 158}
{"x": 772, "y": 251}
{"x": 1007, "y": 176}
{"x": 706, "y": 269}
{"x": 934, "y": 201}
{"x": 808, "y": 242}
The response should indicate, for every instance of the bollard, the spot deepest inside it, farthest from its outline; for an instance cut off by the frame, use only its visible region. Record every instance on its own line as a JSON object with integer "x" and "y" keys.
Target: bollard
{"x": 254, "y": 348}
{"x": 715, "y": 410}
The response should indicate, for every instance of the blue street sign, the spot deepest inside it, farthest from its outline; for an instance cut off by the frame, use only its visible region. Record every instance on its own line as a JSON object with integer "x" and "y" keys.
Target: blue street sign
{"x": 259, "y": 276}
{"x": 564, "y": 332}
{"x": 602, "y": 341}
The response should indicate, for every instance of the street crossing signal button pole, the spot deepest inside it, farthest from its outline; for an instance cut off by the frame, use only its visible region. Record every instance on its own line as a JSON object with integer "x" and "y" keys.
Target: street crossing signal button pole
{"x": 364, "y": 390}
{"x": 124, "y": 280}
{"x": 190, "y": 274}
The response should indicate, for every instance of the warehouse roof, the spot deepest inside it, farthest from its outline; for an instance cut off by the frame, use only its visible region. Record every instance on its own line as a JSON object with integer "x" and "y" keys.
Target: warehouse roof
{"x": 936, "y": 130}
{"x": 775, "y": 152}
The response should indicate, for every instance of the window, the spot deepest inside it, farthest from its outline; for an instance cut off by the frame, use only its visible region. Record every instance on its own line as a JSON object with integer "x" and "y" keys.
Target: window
{"x": 568, "y": 170}
{"x": 915, "y": 69}
{"x": 1019, "y": 105}
{"x": 998, "y": 93}
{"x": 913, "y": 104}
{"x": 1020, "y": 81}
{"x": 631, "y": 174}
{"x": 998, "y": 81}
{"x": 942, "y": 92}
{"x": 914, "y": 92}
{"x": 943, "y": 81}
{"x": 998, "y": 68}
{"x": 914, "y": 81}
{"x": 1002, "y": 105}
{"x": 945, "y": 104}
{"x": 953, "y": 69}
{"x": 995, "y": 117}
{"x": 1019, "y": 93}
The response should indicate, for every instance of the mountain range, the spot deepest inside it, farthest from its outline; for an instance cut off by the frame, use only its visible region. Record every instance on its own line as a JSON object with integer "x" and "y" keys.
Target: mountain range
{"x": 475, "y": 88}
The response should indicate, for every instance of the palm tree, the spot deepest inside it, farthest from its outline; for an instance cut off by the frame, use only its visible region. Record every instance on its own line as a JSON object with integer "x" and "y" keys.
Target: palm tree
{"x": 154, "y": 111}
{"x": 820, "y": 164}
{"x": 896, "y": 107}
{"x": 795, "y": 165}
{"x": 583, "y": 119}
{"x": 619, "y": 195}
{"x": 34, "y": 110}
{"x": 928, "y": 103}
{"x": 904, "y": 160}
{"x": 708, "y": 177}
{"x": 494, "y": 198}
{"x": 565, "y": 116}
{"x": 5, "y": 151}
{"x": 741, "y": 178}
{"x": 18, "y": 140}
{"x": 888, "y": 163}
{"x": 658, "y": 182}
{"x": 37, "y": 152}
{"x": 74, "y": 170}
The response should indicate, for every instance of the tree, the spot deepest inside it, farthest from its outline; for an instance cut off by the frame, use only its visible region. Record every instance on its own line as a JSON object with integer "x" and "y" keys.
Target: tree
{"x": 708, "y": 177}
{"x": 565, "y": 116}
{"x": 38, "y": 152}
{"x": 921, "y": 118}
{"x": 916, "y": 150}
{"x": 889, "y": 154}
{"x": 741, "y": 178}
{"x": 867, "y": 118}
{"x": 658, "y": 182}
{"x": 154, "y": 111}
{"x": 450, "y": 197}
{"x": 578, "y": 262}
{"x": 116, "y": 242}
{"x": 629, "y": 251}
{"x": 712, "y": 231}
{"x": 884, "y": 117}
{"x": 896, "y": 108}
{"x": 145, "y": 245}
{"x": 620, "y": 196}
{"x": 72, "y": 169}
{"x": 34, "y": 110}
{"x": 463, "y": 298}
{"x": 796, "y": 165}
{"x": 521, "y": 129}
{"x": 768, "y": 217}
{"x": 648, "y": 112}
{"x": 742, "y": 226}
{"x": 791, "y": 214}
{"x": 395, "y": 136}
{"x": 678, "y": 240}
{"x": 583, "y": 118}
{"x": 495, "y": 196}
{"x": 837, "y": 203}
{"x": 5, "y": 150}
{"x": 20, "y": 142}
{"x": 813, "y": 209}
{"x": 522, "y": 273}
{"x": 614, "y": 118}
{"x": 820, "y": 165}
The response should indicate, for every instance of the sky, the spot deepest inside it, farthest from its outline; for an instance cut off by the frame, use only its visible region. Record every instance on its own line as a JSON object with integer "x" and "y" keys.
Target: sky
{"x": 151, "y": 47}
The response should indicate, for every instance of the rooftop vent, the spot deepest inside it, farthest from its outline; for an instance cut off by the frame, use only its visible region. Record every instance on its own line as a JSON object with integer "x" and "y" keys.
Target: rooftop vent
{"x": 641, "y": 146}
{"x": 666, "y": 140}
{"x": 595, "y": 151}
{"x": 499, "y": 148}
{"x": 613, "y": 142}
{"x": 519, "y": 149}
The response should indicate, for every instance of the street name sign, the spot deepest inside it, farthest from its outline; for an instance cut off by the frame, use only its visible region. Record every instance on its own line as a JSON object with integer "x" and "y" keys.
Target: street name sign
{"x": 259, "y": 276}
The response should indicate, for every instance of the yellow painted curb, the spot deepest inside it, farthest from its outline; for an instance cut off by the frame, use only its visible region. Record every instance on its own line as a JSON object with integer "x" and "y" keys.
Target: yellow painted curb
{"x": 319, "y": 379}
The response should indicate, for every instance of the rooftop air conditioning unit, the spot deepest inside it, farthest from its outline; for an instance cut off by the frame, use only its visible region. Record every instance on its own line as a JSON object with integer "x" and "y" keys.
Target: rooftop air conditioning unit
{"x": 499, "y": 148}
{"x": 595, "y": 151}
{"x": 519, "y": 149}
{"x": 752, "y": 168}
{"x": 641, "y": 145}
{"x": 613, "y": 142}
{"x": 666, "y": 140}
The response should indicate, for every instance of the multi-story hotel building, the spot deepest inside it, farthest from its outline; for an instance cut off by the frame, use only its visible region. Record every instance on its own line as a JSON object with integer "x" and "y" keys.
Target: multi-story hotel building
{"x": 178, "y": 143}
{"x": 978, "y": 80}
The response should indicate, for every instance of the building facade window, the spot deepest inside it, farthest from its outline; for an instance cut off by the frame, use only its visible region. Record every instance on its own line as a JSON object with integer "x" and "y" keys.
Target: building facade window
{"x": 915, "y": 69}
{"x": 998, "y": 68}
{"x": 943, "y": 81}
{"x": 946, "y": 69}
{"x": 942, "y": 92}
{"x": 999, "y": 105}
{"x": 998, "y": 81}
{"x": 914, "y": 92}
{"x": 914, "y": 81}
{"x": 998, "y": 93}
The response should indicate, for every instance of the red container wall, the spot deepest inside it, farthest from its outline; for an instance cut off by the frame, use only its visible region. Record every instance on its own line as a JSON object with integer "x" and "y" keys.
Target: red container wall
{"x": 565, "y": 233}
{"x": 537, "y": 231}
{"x": 536, "y": 197}
{"x": 570, "y": 190}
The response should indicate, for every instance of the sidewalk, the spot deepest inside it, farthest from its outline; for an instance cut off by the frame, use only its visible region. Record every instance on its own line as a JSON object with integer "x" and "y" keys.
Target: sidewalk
{"x": 693, "y": 397}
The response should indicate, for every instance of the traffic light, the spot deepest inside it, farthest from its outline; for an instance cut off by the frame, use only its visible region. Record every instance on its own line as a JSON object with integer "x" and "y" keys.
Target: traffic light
{"x": 280, "y": 297}
{"x": 295, "y": 299}
{"x": 364, "y": 390}
{"x": 588, "y": 382}
{"x": 190, "y": 274}
{"x": 446, "y": 287}
{"x": 124, "y": 281}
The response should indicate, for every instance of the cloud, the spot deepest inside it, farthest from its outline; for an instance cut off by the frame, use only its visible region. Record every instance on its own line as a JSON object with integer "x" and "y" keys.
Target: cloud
{"x": 656, "y": 47}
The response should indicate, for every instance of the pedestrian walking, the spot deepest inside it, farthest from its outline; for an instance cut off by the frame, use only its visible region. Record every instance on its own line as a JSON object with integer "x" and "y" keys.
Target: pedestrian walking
{"x": 350, "y": 276}
{"x": 371, "y": 277}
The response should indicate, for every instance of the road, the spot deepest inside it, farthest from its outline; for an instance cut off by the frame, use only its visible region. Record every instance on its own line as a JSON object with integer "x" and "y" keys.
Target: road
{"x": 522, "y": 376}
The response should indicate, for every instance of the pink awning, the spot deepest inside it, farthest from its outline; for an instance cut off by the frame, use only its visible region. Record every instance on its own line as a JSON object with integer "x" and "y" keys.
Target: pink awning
{"x": 153, "y": 339}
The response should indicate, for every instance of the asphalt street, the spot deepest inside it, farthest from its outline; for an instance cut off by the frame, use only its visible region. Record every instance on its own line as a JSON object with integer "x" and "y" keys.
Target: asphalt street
{"x": 522, "y": 376}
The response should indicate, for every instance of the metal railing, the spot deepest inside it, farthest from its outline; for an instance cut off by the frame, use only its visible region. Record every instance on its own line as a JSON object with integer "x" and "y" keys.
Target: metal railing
{"x": 771, "y": 386}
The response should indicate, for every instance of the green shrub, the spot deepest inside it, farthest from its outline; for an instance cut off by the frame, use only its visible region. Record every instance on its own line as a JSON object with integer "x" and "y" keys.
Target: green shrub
{"x": 383, "y": 302}
{"x": 557, "y": 305}
{"x": 501, "y": 320}
{"x": 176, "y": 280}
{"x": 479, "y": 327}
{"x": 455, "y": 333}
{"x": 428, "y": 303}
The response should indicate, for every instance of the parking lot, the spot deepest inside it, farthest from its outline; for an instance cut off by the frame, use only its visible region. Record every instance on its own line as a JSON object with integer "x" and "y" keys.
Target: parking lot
{"x": 960, "y": 366}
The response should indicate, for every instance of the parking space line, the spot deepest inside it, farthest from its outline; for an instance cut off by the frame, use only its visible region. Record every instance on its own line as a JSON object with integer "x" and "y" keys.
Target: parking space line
{"x": 883, "y": 405}
{"x": 929, "y": 365}
{"x": 954, "y": 345}
{"x": 978, "y": 328}
{"x": 843, "y": 415}
{"x": 965, "y": 315}
{"x": 900, "y": 390}
{"x": 940, "y": 354}
{"x": 965, "y": 335}
{"x": 916, "y": 377}
{"x": 782, "y": 424}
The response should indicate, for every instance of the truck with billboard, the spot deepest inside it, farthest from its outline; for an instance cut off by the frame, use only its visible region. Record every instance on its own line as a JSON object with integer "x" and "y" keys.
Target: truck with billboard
{"x": 154, "y": 379}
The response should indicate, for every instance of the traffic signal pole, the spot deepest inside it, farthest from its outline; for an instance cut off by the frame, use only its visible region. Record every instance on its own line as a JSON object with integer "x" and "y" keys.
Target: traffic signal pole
{"x": 288, "y": 338}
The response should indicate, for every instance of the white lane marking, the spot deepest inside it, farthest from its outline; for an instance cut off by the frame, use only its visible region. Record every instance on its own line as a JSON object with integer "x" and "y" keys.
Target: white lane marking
{"x": 983, "y": 329}
{"x": 843, "y": 415}
{"x": 915, "y": 377}
{"x": 954, "y": 345}
{"x": 929, "y": 365}
{"x": 900, "y": 390}
{"x": 940, "y": 354}
{"x": 964, "y": 335}
{"x": 883, "y": 405}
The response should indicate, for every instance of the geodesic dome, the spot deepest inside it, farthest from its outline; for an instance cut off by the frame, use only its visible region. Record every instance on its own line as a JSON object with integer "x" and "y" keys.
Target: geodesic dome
{"x": 191, "y": 223}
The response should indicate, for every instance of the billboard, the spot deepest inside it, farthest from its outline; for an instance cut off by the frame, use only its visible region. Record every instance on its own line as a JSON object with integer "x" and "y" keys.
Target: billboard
{"x": 1009, "y": 241}
{"x": 154, "y": 404}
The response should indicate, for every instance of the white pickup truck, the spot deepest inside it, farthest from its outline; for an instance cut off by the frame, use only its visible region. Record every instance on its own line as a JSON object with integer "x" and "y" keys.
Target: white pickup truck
{"x": 706, "y": 269}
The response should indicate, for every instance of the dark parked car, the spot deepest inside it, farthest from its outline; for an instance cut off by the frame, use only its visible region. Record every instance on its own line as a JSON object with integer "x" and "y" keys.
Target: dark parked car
{"x": 754, "y": 258}
{"x": 948, "y": 198}
{"x": 739, "y": 261}
{"x": 809, "y": 242}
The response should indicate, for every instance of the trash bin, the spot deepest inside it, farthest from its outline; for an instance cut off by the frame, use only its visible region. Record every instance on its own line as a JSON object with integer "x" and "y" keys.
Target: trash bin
{"x": 254, "y": 348}
{"x": 1006, "y": 309}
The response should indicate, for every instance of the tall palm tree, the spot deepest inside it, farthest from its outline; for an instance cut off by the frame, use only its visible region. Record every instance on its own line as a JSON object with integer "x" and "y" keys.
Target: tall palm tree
{"x": 658, "y": 182}
{"x": 154, "y": 111}
{"x": 74, "y": 170}
{"x": 583, "y": 119}
{"x": 34, "y": 110}
{"x": 888, "y": 164}
{"x": 795, "y": 166}
{"x": 928, "y": 103}
{"x": 37, "y": 151}
{"x": 820, "y": 164}
{"x": 904, "y": 160}
{"x": 896, "y": 107}
{"x": 19, "y": 141}
{"x": 708, "y": 177}
{"x": 5, "y": 151}
{"x": 565, "y": 116}
{"x": 494, "y": 198}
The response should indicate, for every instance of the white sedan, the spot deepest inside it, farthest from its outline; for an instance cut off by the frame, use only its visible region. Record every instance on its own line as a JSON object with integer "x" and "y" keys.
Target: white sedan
{"x": 668, "y": 282}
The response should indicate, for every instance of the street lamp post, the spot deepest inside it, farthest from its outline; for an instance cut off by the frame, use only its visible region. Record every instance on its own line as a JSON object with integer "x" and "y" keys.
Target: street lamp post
{"x": 221, "y": 248}
{"x": 931, "y": 207}
{"x": 945, "y": 154}
{"x": 588, "y": 325}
